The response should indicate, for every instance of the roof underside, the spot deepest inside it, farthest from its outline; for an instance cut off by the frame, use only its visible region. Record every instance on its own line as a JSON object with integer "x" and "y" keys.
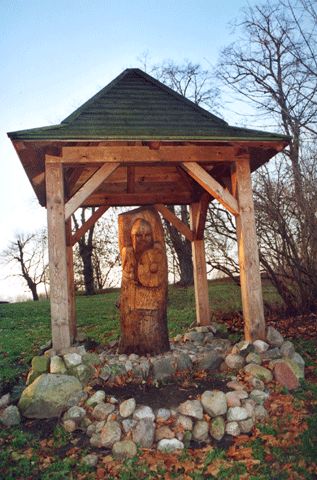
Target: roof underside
{"x": 135, "y": 109}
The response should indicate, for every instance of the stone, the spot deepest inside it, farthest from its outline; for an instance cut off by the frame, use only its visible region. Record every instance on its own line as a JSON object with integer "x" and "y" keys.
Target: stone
{"x": 214, "y": 402}
{"x": 98, "y": 397}
{"x": 233, "y": 429}
{"x": 271, "y": 354}
{"x": 253, "y": 357}
{"x": 72, "y": 359}
{"x": 163, "y": 413}
{"x": 209, "y": 360}
{"x": 183, "y": 362}
{"x": 95, "y": 440}
{"x": 143, "y": 412}
{"x": 91, "y": 460}
{"x": 234, "y": 361}
{"x": 163, "y": 432}
{"x": 200, "y": 431}
{"x": 49, "y": 395}
{"x": 285, "y": 376}
{"x": 260, "y": 412}
{"x": 105, "y": 373}
{"x": 32, "y": 375}
{"x": 236, "y": 414}
{"x": 99, "y": 425}
{"x": 194, "y": 337}
{"x": 127, "y": 407}
{"x": 5, "y": 400}
{"x": 91, "y": 429}
{"x": 128, "y": 424}
{"x": 259, "y": 372}
{"x": 124, "y": 449}
{"x": 162, "y": 368}
{"x": 208, "y": 337}
{"x": 57, "y": 365}
{"x": 233, "y": 399}
{"x": 40, "y": 364}
{"x": 274, "y": 337}
{"x": 259, "y": 396}
{"x": 128, "y": 366}
{"x": 297, "y": 358}
{"x": 170, "y": 445}
{"x": 102, "y": 410}
{"x": 191, "y": 408}
{"x": 243, "y": 348}
{"x": 235, "y": 385}
{"x": 246, "y": 425}
{"x": 287, "y": 349}
{"x": 110, "y": 434}
{"x": 256, "y": 383}
{"x": 260, "y": 346}
{"x": 133, "y": 357}
{"x": 84, "y": 373}
{"x": 69, "y": 426}
{"x": 249, "y": 405}
{"x": 91, "y": 359}
{"x": 143, "y": 433}
{"x": 217, "y": 428}
{"x": 185, "y": 422}
{"x": 142, "y": 370}
{"x": 75, "y": 414}
{"x": 221, "y": 345}
{"x": 10, "y": 416}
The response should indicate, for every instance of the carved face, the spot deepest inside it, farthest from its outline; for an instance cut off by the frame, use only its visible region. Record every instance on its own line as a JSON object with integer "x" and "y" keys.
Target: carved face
{"x": 141, "y": 236}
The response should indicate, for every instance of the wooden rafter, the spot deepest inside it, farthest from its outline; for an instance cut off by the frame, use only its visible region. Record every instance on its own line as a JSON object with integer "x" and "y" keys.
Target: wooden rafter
{"x": 178, "y": 224}
{"x": 88, "y": 224}
{"x": 212, "y": 186}
{"x": 89, "y": 187}
{"x": 130, "y": 179}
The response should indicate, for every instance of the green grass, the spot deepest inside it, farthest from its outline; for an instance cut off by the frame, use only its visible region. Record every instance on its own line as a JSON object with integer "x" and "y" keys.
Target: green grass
{"x": 25, "y": 326}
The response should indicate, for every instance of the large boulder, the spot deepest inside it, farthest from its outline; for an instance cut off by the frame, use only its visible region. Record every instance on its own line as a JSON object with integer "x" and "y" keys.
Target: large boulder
{"x": 49, "y": 395}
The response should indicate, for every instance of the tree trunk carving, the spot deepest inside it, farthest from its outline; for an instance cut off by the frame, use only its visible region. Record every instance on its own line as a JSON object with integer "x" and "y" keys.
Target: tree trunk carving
{"x": 144, "y": 283}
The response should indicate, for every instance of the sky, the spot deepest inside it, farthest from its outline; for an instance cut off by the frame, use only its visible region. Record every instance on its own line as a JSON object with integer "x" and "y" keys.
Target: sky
{"x": 56, "y": 54}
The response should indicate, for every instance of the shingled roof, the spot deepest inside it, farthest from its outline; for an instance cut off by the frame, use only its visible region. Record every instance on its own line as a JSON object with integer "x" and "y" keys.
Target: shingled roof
{"x": 135, "y": 106}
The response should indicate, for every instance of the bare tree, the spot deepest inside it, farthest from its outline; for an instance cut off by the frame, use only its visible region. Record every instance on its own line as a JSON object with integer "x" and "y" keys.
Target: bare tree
{"x": 274, "y": 68}
{"x": 29, "y": 252}
{"x": 85, "y": 251}
{"x": 194, "y": 82}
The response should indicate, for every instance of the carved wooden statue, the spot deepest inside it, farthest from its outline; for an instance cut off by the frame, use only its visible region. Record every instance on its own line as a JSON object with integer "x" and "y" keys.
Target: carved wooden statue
{"x": 144, "y": 283}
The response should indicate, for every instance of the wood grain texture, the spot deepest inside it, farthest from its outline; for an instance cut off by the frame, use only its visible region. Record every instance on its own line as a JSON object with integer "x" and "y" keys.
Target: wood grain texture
{"x": 212, "y": 186}
{"x": 174, "y": 220}
{"x": 88, "y": 188}
{"x": 250, "y": 278}
{"x": 143, "y": 299}
{"x": 200, "y": 272}
{"x": 88, "y": 224}
{"x": 59, "y": 287}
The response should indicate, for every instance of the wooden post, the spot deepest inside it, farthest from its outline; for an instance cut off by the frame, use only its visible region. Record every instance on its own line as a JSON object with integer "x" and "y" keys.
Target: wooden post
{"x": 59, "y": 287}
{"x": 70, "y": 280}
{"x": 250, "y": 277}
{"x": 200, "y": 272}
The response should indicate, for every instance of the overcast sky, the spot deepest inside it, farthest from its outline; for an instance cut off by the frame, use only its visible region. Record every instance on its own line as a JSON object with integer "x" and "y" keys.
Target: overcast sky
{"x": 55, "y": 54}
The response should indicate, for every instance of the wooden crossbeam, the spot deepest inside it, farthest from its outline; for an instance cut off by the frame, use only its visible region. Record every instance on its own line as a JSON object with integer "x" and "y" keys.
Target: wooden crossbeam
{"x": 171, "y": 218}
{"x": 130, "y": 179}
{"x": 88, "y": 224}
{"x": 89, "y": 187}
{"x": 130, "y": 199}
{"x": 212, "y": 186}
{"x": 139, "y": 154}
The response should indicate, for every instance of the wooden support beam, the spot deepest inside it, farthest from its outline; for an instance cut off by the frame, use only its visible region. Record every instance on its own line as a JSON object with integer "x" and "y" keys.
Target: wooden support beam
{"x": 59, "y": 286}
{"x": 88, "y": 224}
{"x": 174, "y": 220}
{"x": 140, "y": 154}
{"x": 70, "y": 280}
{"x": 130, "y": 179}
{"x": 89, "y": 187}
{"x": 200, "y": 272}
{"x": 130, "y": 199}
{"x": 250, "y": 277}
{"x": 212, "y": 186}
{"x": 201, "y": 216}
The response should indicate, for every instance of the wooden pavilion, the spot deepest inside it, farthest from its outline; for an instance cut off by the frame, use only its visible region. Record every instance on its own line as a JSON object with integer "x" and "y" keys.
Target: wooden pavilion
{"x": 137, "y": 142}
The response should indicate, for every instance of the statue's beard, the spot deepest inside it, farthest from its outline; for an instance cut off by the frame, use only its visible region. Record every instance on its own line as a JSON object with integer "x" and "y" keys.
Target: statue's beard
{"x": 142, "y": 246}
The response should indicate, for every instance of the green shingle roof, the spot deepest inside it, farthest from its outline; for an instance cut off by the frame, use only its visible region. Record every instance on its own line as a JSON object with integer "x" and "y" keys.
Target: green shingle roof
{"x": 135, "y": 106}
